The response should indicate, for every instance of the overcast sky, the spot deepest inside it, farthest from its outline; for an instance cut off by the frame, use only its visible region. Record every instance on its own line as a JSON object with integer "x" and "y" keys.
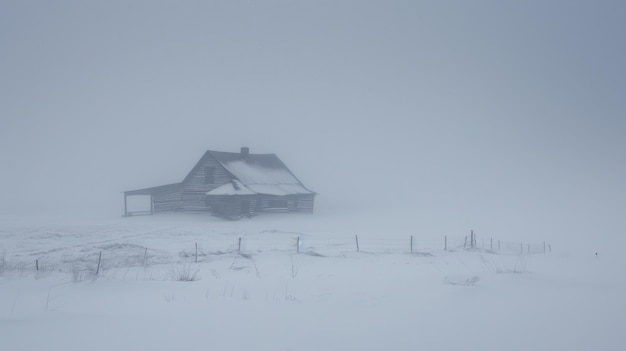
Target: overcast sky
{"x": 506, "y": 115}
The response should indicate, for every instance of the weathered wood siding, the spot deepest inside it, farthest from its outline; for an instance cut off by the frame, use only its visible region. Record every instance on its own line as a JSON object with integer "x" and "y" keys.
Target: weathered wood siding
{"x": 170, "y": 200}
{"x": 288, "y": 203}
{"x": 195, "y": 188}
{"x": 304, "y": 204}
{"x": 250, "y": 205}
{"x": 232, "y": 206}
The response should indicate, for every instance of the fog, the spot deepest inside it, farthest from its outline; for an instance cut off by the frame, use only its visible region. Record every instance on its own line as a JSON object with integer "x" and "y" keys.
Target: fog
{"x": 505, "y": 117}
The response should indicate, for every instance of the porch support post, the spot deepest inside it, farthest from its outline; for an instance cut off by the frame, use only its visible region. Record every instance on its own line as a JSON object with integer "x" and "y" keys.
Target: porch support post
{"x": 125, "y": 206}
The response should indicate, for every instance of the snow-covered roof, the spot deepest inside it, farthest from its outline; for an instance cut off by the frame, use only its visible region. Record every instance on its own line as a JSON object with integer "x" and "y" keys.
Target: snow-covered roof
{"x": 251, "y": 173}
{"x": 259, "y": 173}
{"x": 279, "y": 189}
{"x": 232, "y": 188}
{"x": 237, "y": 188}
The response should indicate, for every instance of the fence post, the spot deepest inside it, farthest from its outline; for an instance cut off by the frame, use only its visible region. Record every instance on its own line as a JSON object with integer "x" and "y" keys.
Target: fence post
{"x": 239, "y": 247}
{"x": 491, "y": 244}
{"x": 37, "y": 264}
{"x": 544, "y": 247}
{"x": 196, "y": 252}
{"x": 145, "y": 256}
{"x": 356, "y": 237}
{"x": 411, "y": 243}
{"x": 445, "y": 243}
{"x": 298, "y": 245}
{"x": 99, "y": 260}
{"x": 465, "y": 242}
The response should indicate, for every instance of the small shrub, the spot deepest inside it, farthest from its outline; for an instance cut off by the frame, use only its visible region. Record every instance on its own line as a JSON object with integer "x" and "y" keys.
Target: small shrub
{"x": 169, "y": 298}
{"x": 184, "y": 273}
{"x": 463, "y": 281}
{"x": 295, "y": 266}
{"x": 79, "y": 273}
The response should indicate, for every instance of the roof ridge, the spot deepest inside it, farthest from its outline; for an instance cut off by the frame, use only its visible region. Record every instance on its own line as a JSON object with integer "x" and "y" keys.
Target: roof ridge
{"x": 239, "y": 153}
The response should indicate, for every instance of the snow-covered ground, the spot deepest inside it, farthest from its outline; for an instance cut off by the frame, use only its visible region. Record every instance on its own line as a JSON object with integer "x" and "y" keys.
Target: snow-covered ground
{"x": 153, "y": 292}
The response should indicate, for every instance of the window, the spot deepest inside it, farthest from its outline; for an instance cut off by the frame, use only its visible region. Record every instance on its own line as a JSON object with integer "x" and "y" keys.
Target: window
{"x": 209, "y": 175}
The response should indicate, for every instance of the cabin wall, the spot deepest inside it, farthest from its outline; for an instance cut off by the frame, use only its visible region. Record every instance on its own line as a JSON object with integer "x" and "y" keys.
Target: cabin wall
{"x": 288, "y": 203}
{"x": 170, "y": 200}
{"x": 232, "y": 206}
{"x": 304, "y": 204}
{"x": 195, "y": 188}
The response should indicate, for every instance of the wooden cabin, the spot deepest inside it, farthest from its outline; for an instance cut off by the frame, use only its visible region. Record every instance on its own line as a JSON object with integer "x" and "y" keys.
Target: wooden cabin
{"x": 231, "y": 185}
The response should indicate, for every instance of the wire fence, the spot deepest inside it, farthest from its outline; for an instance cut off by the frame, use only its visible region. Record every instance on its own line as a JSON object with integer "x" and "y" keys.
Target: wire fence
{"x": 119, "y": 255}
{"x": 356, "y": 243}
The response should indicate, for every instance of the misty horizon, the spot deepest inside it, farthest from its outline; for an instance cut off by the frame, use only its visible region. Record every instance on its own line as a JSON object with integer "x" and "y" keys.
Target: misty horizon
{"x": 501, "y": 117}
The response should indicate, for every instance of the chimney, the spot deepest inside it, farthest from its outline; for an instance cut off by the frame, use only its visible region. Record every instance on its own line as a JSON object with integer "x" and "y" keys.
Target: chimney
{"x": 245, "y": 151}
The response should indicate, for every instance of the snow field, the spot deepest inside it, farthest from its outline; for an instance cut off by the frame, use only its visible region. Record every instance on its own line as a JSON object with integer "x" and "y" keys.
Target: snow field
{"x": 271, "y": 298}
